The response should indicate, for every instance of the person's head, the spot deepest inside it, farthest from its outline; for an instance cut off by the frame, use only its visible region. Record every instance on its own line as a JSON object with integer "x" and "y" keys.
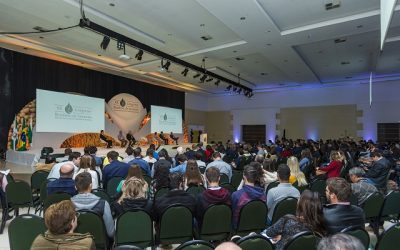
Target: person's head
{"x": 152, "y": 146}
{"x": 216, "y": 155}
{"x": 337, "y": 190}
{"x": 101, "y": 131}
{"x": 180, "y": 150}
{"x": 129, "y": 150}
{"x": 176, "y": 181}
{"x": 192, "y": 174}
{"x": 309, "y": 210}
{"x": 50, "y": 159}
{"x": 161, "y": 154}
{"x": 259, "y": 158}
{"x": 228, "y": 246}
{"x": 283, "y": 173}
{"x": 306, "y": 153}
{"x": 86, "y": 150}
{"x": 340, "y": 241}
{"x": 161, "y": 177}
{"x": 252, "y": 174}
{"x": 134, "y": 171}
{"x": 67, "y": 151}
{"x": 67, "y": 170}
{"x": 75, "y": 157}
{"x": 335, "y": 156}
{"x": 198, "y": 156}
{"x": 150, "y": 152}
{"x": 92, "y": 150}
{"x": 86, "y": 162}
{"x": 356, "y": 174}
{"x": 137, "y": 152}
{"x": 181, "y": 158}
{"x": 293, "y": 164}
{"x": 83, "y": 182}
{"x": 134, "y": 188}
{"x": 375, "y": 155}
{"x": 269, "y": 165}
{"x": 212, "y": 176}
{"x": 60, "y": 218}
{"x": 112, "y": 156}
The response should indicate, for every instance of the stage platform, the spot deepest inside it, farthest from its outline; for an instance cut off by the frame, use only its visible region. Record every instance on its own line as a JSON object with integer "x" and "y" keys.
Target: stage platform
{"x": 23, "y": 162}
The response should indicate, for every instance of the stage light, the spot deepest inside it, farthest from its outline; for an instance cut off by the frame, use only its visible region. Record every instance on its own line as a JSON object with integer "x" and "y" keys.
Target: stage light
{"x": 217, "y": 82}
{"x": 209, "y": 79}
{"x": 203, "y": 78}
{"x": 197, "y": 75}
{"x": 120, "y": 45}
{"x": 139, "y": 55}
{"x": 185, "y": 71}
{"x": 104, "y": 44}
{"x": 165, "y": 67}
{"x": 229, "y": 87}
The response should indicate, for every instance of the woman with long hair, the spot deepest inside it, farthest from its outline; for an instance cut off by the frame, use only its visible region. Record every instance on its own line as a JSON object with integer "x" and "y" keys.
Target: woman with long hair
{"x": 308, "y": 217}
{"x": 88, "y": 164}
{"x": 160, "y": 180}
{"x": 295, "y": 173}
{"x": 334, "y": 166}
{"x": 133, "y": 171}
{"x": 305, "y": 159}
{"x": 193, "y": 176}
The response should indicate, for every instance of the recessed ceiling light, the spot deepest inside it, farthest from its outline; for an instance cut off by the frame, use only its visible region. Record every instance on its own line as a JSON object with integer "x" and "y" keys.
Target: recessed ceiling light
{"x": 240, "y": 58}
{"x": 263, "y": 74}
{"x": 268, "y": 44}
{"x": 230, "y": 66}
{"x": 243, "y": 18}
{"x": 41, "y": 37}
{"x": 345, "y": 63}
{"x": 202, "y": 25}
{"x": 340, "y": 40}
{"x": 98, "y": 55}
{"x": 112, "y": 4}
{"x": 268, "y": 31}
{"x": 332, "y": 5}
{"x": 206, "y": 37}
{"x": 359, "y": 26}
{"x": 234, "y": 51}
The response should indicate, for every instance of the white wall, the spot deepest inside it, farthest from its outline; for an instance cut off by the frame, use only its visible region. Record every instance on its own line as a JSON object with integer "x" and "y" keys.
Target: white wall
{"x": 261, "y": 108}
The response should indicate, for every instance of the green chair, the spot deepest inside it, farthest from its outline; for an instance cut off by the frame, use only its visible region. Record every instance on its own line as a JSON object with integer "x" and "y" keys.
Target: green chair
{"x": 319, "y": 186}
{"x": 196, "y": 245}
{"x": 285, "y": 206}
{"x": 252, "y": 218}
{"x": 134, "y": 228}
{"x": 91, "y": 222}
{"x": 237, "y": 177}
{"x": 23, "y": 230}
{"x": 389, "y": 239}
{"x": 390, "y": 209}
{"x": 55, "y": 198}
{"x": 112, "y": 185}
{"x": 224, "y": 179}
{"x": 302, "y": 240}
{"x": 216, "y": 224}
{"x": 255, "y": 241}
{"x": 176, "y": 225}
{"x": 147, "y": 179}
{"x": 229, "y": 187}
{"x": 359, "y": 233}
{"x": 37, "y": 178}
{"x": 372, "y": 207}
{"x": 42, "y": 197}
{"x": 271, "y": 185}
{"x": 302, "y": 188}
{"x": 195, "y": 190}
{"x": 102, "y": 194}
{"x": 127, "y": 247}
{"x": 161, "y": 192}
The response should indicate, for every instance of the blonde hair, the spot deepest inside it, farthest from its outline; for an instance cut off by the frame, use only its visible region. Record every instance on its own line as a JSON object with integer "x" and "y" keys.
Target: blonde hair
{"x": 335, "y": 156}
{"x": 134, "y": 188}
{"x": 293, "y": 164}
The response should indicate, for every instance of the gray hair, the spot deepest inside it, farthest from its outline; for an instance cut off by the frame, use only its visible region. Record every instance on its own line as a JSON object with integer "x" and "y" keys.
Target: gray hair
{"x": 359, "y": 172}
{"x": 340, "y": 241}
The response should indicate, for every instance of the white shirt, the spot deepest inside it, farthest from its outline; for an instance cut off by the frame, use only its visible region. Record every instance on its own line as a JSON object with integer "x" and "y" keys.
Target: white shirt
{"x": 93, "y": 173}
{"x": 55, "y": 171}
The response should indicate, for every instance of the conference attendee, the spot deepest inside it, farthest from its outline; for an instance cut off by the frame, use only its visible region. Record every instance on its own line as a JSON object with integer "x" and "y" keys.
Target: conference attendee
{"x": 47, "y": 165}
{"x": 214, "y": 194}
{"x": 134, "y": 196}
{"x": 150, "y": 157}
{"x": 223, "y": 167}
{"x": 339, "y": 213}
{"x": 139, "y": 161}
{"x": 74, "y": 159}
{"x": 65, "y": 183}
{"x": 130, "y": 138}
{"x": 295, "y": 174}
{"x": 340, "y": 241}
{"x": 306, "y": 158}
{"x": 270, "y": 175}
{"x": 162, "y": 162}
{"x": 250, "y": 191}
{"x": 134, "y": 171}
{"x": 378, "y": 172}
{"x": 153, "y": 147}
{"x": 99, "y": 160}
{"x": 122, "y": 139}
{"x": 209, "y": 152}
{"x": 129, "y": 152}
{"x": 193, "y": 177}
{"x": 61, "y": 221}
{"x": 282, "y": 191}
{"x": 308, "y": 217}
{"x": 105, "y": 139}
{"x": 200, "y": 163}
{"x": 181, "y": 164}
{"x": 86, "y": 200}
{"x": 160, "y": 180}
{"x": 360, "y": 187}
{"x": 115, "y": 168}
{"x": 172, "y": 136}
{"x": 88, "y": 164}
{"x": 228, "y": 245}
{"x": 334, "y": 166}
{"x": 165, "y": 139}
{"x": 176, "y": 195}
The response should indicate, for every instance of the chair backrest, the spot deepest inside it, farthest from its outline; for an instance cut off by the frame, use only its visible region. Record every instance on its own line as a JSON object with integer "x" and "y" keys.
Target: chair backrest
{"x": 176, "y": 225}
{"x": 390, "y": 206}
{"x": 18, "y": 194}
{"x": 195, "y": 190}
{"x": 134, "y": 228}
{"x": 372, "y": 205}
{"x": 285, "y": 206}
{"x": 102, "y": 194}
{"x": 23, "y": 230}
{"x": 271, "y": 185}
{"x": 252, "y": 217}
{"x": 196, "y": 245}
{"x": 388, "y": 239}
{"x": 319, "y": 186}
{"x": 216, "y": 224}
{"x": 43, "y": 191}
{"x": 127, "y": 247}
{"x": 91, "y": 222}
{"x": 112, "y": 185}
{"x": 55, "y": 198}
{"x": 223, "y": 179}
{"x": 161, "y": 192}
{"x": 255, "y": 241}
{"x": 359, "y": 233}
{"x": 302, "y": 240}
{"x": 147, "y": 179}
{"x": 237, "y": 177}
{"x": 37, "y": 178}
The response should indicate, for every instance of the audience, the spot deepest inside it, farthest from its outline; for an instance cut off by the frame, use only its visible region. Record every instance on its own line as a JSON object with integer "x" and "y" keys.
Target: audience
{"x": 340, "y": 241}
{"x": 116, "y": 168}
{"x": 129, "y": 153}
{"x": 88, "y": 164}
{"x": 139, "y": 161}
{"x": 74, "y": 159}
{"x": 192, "y": 175}
{"x": 61, "y": 222}
{"x": 378, "y": 172}
{"x": 295, "y": 174}
{"x": 181, "y": 167}
{"x": 47, "y": 165}
{"x": 160, "y": 180}
{"x": 224, "y": 168}
{"x": 65, "y": 183}
{"x": 360, "y": 187}
{"x": 162, "y": 162}
{"x": 334, "y": 166}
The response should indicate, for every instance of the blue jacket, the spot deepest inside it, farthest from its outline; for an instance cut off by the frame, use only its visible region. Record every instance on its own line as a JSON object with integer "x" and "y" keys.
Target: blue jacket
{"x": 62, "y": 185}
{"x": 115, "y": 168}
{"x": 142, "y": 164}
{"x": 179, "y": 169}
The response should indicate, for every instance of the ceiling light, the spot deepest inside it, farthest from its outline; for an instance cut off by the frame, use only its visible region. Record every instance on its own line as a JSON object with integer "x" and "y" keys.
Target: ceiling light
{"x": 123, "y": 56}
{"x": 196, "y": 75}
{"x": 209, "y": 79}
{"x": 139, "y": 55}
{"x": 185, "y": 71}
{"x": 217, "y": 82}
{"x": 229, "y": 87}
{"x": 340, "y": 40}
{"x": 332, "y": 5}
{"x": 120, "y": 45}
{"x": 104, "y": 44}
{"x": 203, "y": 78}
{"x": 165, "y": 67}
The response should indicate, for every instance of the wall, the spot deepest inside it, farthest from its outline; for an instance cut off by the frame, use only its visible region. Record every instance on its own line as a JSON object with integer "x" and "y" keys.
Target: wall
{"x": 219, "y": 126}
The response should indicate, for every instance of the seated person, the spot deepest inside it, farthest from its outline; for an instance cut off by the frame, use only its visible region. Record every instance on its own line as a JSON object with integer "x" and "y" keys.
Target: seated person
{"x": 360, "y": 187}
{"x": 340, "y": 241}
{"x": 130, "y": 138}
{"x": 165, "y": 139}
{"x": 47, "y": 165}
{"x": 122, "y": 139}
{"x": 377, "y": 173}
{"x": 104, "y": 138}
{"x": 116, "y": 168}
{"x": 334, "y": 166}
{"x": 61, "y": 222}
{"x": 86, "y": 200}
{"x": 180, "y": 165}
{"x": 137, "y": 152}
{"x": 172, "y": 136}
{"x": 74, "y": 158}
{"x": 65, "y": 183}
{"x": 339, "y": 213}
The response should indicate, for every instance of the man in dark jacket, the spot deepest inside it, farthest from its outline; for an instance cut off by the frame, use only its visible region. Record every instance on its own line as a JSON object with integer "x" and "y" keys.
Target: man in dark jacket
{"x": 65, "y": 183}
{"x": 115, "y": 168}
{"x": 340, "y": 214}
{"x": 378, "y": 172}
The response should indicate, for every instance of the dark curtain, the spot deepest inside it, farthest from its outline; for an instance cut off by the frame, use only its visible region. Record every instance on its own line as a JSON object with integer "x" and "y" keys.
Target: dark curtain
{"x": 21, "y": 75}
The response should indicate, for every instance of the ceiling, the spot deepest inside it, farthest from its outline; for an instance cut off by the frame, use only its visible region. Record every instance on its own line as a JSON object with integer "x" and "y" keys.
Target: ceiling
{"x": 272, "y": 44}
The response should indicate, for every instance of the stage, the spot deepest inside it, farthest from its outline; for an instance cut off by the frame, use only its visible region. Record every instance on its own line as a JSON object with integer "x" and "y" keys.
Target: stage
{"x": 23, "y": 162}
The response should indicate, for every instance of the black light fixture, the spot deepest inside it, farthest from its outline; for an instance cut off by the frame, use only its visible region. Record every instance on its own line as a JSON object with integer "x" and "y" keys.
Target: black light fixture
{"x": 229, "y": 87}
{"x": 165, "y": 67}
{"x": 120, "y": 45}
{"x": 217, "y": 82}
{"x": 239, "y": 91}
{"x": 184, "y": 72}
{"x": 209, "y": 79}
{"x": 203, "y": 78}
{"x": 104, "y": 44}
{"x": 196, "y": 75}
{"x": 234, "y": 89}
{"x": 139, "y": 55}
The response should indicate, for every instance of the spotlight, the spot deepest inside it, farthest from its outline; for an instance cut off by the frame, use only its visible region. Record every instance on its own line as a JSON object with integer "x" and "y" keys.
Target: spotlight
{"x": 229, "y": 87}
{"x": 166, "y": 65}
{"x": 203, "y": 78}
{"x": 185, "y": 71}
{"x": 120, "y": 45}
{"x": 217, "y": 82}
{"x": 104, "y": 44}
{"x": 139, "y": 55}
{"x": 197, "y": 75}
{"x": 209, "y": 79}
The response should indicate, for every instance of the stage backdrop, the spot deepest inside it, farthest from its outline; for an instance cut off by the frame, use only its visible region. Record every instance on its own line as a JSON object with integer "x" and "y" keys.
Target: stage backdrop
{"x": 21, "y": 74}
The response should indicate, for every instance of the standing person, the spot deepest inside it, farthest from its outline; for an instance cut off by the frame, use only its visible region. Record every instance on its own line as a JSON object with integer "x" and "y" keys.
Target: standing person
{"x": 104, "y": 138}
{"x": 61, "y": 221}
{"x": 130, "y": 138}
{"x": 122, "y": 139}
